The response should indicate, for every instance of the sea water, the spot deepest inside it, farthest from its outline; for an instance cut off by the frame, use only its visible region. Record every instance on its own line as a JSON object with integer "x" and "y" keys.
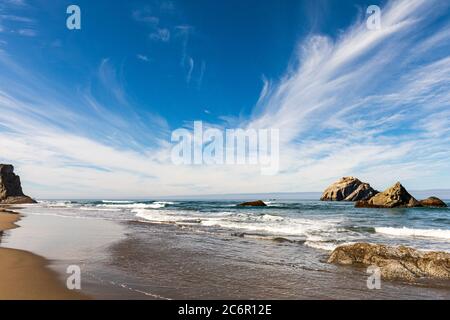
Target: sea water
{"x": 321, "y": 225}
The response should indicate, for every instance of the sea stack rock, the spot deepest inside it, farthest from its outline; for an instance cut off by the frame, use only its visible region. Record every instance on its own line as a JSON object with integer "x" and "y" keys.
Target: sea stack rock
{"x": 258, "y": 203}
{"x": 394, "y": 197}
{"x": 348, "y": 189}
{"x": 394, "y": 262}
{"x": 433, "y": 202}
{"x": 10, "y": 188}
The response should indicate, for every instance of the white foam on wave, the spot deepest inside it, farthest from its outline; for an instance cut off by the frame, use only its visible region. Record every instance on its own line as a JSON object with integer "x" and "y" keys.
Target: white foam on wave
{"x": 316, "y": 233}
{"x": 264, "y": 224}
{"x": 408, "y": 232}
{"x": 117, "y": 201}
{"x": 153, "y": 205}
{"x": 57, "y": 204}
{"x": 98, "y": 209}
{"x": 162, "y": 216}
{"x": 273, "y": 203}
{"x": 269, "y": 217}
{"x": 274, "y": 226}
{"x": 327, "y": 246}
{"x": 256, "y": 217}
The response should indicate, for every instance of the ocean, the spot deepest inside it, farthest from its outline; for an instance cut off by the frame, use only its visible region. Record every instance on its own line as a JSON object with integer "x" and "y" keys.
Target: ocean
{"x": 207, "y": 249}
{"x": 317, "y": 224}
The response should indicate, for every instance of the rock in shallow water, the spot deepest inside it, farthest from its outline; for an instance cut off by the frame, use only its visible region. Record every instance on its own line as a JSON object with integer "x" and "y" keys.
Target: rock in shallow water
{"x": 348, "y": 189}
{"x": 394, "y": 262}
{"x": 394, "y": 197}
{"x": 18, "y": 200}
{"x": 10, "y": 187}
{"x": 258, "y": 203}
{"x": 433, "y": 202}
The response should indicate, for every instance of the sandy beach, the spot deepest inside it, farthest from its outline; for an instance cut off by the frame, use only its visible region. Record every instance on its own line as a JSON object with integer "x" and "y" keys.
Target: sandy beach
{"x": 132, "y": 259}
{"x": 24, "y": 275}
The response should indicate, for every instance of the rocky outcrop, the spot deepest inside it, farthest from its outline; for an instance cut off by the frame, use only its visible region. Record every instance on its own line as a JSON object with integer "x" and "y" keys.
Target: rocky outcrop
{"x": 433, "y": 202}
{"x": 394, "y": 197}
{"x": 10, "y": 187}
{"x": 258, "y": 203}
{"x": 394, "y": 262}
{"x": 348, "y": 189}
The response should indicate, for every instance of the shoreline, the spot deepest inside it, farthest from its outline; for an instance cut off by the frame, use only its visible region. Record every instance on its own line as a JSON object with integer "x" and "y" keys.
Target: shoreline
{"x": 25, "y": 275}
{"x": 123, "y": 259}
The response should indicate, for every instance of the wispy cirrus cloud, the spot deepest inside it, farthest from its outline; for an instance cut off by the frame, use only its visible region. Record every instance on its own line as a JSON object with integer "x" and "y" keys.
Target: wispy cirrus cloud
{"x": 10, "y": 17}
{"x": 143, "y": 57}
{"x": 16, "y": 23}
{"x": 362, "y": 96}
{"x": 27, "y": 32}
{"x": 150, "y": 16}
{"x": 15, "y": 2}
{"x": 190, "y": 68}
{"x": 158, "y": 19}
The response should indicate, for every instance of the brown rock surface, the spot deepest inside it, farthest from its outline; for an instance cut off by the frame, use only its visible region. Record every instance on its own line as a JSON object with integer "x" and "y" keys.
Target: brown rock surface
{"x": 433, "y": 202}
{"x": 10, "y": 187}
{"x": 258, "y": 203}
{"x": 394, "y": 197}
{"x": 348, "y": 189}
{"x": 394, "y": 262}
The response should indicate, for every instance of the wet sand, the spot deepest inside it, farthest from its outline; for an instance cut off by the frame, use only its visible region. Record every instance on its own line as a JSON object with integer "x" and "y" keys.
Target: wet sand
{"x": 75, "y": 241}
{"x": 179, "y": 263}
{"x": 24, "y": 275}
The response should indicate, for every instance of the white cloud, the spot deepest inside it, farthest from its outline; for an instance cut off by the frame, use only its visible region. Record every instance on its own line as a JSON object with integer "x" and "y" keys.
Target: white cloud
{"x": 190, "y": 69}
{"x": 359, "y": 97}
{"x": 27, "y": 32}
{"x": 365, "y": 104}
{"x": 16, "y": 18}
{"x": 17, "y": 3}
{"x": 143, "y": 57}
{"x": 202, "y": 74}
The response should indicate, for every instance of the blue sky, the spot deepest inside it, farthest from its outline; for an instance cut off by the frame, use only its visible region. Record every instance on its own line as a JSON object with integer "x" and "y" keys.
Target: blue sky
{"x": 89, "y": 113}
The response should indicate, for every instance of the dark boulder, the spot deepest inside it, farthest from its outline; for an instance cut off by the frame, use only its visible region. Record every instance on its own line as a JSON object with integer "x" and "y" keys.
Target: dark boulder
{"x": 258, "y": 203}
{"x": 433, "y": 202}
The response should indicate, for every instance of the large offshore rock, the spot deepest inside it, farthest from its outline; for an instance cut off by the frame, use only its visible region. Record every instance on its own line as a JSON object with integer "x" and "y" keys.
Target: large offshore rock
{"x": 10, "y": 187}
{"x": 394, "y": 262}
{"x": 394, "y": 197}
{"x": 348, "y": 189}
{"x": 433, "y": 202}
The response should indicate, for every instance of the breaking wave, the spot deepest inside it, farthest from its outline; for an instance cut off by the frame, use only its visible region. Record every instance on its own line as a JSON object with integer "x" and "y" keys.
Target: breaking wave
{"x": 408, "y": 232}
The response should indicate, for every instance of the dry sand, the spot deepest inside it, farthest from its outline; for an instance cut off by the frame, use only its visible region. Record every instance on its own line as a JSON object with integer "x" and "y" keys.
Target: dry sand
{"x": 24, "y": 275}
